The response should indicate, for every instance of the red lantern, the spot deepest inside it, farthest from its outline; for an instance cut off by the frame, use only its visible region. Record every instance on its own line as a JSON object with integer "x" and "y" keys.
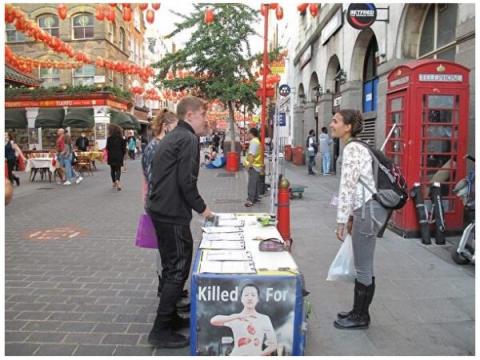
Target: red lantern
{"x": 127, "y": 14}
{"x": 314, "y": 9}
{"x": 100, "y": 12}
{"x": 143, "y": 7}
{"x": 279, "y": 13}
{"x": 156, "y": 6}
{"x": 110, "y": 14}
{"x": 273, "y": 6}
{"x": 126, "y": 5}
{"x": 62, "y": 11}
{"x": 209, "y": 16}
{"x": 150, "y": 15}
{"x": 113, "y": 4}
{"x": 302, "y": 7}
{"x": 264, "y": 9}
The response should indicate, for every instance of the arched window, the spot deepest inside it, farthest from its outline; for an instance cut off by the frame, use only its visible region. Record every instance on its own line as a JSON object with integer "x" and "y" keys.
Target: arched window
{"x": 84, "y": 75}
{"x": 50, "y": 24}
{"x": 12, "y": 34}
{"x": 82, "y": 26}
{"x": 121, "y": 39}
{"x": 437, "y": 37}
{"x": 50, "y": 77}
{"x": 111, "y": 32}
{"x": 370, "y": 78}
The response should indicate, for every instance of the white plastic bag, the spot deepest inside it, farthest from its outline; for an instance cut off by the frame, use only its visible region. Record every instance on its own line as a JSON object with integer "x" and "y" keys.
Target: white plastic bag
{"x": 342, "y": 267}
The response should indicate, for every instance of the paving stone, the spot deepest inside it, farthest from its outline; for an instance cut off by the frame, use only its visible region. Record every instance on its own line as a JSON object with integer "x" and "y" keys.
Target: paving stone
{"x": 95, "y": 350}
{"x": 132, "y": 318}
{"x": 28, "y": 306}
{"x": 134, "y": 350}
{"x": 110, "y": 328}
{"x": 15, "y": 336}
{"x": 33, "y": 315}
{"x": 60, "y": 307}
{"x": 139, "y": 328}
{"x": 99, "y": 317}
{"x": 66, "y": 316}
{"x": 49, "y": 325}
{"x": 80, "y": 338}
{"x": 19, "y": 349}
{"x": 120, "y": 339}
{"x": 56, "y": 350}
{"x": 76, "y": 326}
{"x": 119, "y": 300}
{"x": 46, "y": 337}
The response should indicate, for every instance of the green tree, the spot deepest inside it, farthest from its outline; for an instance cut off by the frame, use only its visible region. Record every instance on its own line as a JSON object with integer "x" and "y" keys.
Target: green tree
{"x": 217, "y": 55}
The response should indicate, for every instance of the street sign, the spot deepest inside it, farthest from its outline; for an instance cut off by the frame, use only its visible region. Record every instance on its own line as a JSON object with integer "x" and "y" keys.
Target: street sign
{"x": 282, "y": 119}
{"x": 284, "y": 90}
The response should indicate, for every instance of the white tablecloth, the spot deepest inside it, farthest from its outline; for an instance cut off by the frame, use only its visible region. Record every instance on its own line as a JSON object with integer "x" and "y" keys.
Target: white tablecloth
{"x": 40, "y": 163}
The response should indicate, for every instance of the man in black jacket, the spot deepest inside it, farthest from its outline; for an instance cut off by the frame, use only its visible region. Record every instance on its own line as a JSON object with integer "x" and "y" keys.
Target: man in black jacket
{"x": 173, "y": 195}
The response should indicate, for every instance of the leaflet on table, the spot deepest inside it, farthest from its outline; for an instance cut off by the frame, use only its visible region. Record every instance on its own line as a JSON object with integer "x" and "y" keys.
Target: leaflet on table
{"x": 227, "y": 267}
{"x": 223, "y": 236}
{"x": 274, "y": 261}
{"x": 227, "y": 255}
{"x": 222, "y": 244}
{"x": 230, "y": 222}
{"x": 220, "y": 229}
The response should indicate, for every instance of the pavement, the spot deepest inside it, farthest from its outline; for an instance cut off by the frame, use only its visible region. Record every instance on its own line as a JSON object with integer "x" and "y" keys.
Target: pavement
{"x": 75, "y": 284}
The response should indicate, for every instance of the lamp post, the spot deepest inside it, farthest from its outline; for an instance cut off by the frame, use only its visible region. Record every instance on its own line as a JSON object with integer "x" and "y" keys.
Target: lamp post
{"x": 263, "y": 118}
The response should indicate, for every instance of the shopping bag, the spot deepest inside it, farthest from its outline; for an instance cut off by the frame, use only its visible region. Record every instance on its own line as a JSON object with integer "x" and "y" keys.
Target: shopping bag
{"x": 146, "y": 235}
{"x": 342, "y": 267}
{"x": 105, "y": 155}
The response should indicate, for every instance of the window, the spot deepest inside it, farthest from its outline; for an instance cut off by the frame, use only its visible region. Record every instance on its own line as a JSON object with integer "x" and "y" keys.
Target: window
{"x": 12, "y": 34}
{"x": 83, "y": 26}
{"x": 437, "y": 39}
{"x": 111, "y": 32}
{"x": 370, "y": 78}
{"x": 121, "y": 39}
{"x": 84, "y": 75}
{"x": 50, "y": 77}
{"x": 50, "y": 24}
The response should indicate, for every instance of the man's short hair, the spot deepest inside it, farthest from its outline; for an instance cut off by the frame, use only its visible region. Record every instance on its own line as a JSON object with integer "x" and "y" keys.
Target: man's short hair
{"x": 189, "y": 103}
{"x": 253, "y": 131}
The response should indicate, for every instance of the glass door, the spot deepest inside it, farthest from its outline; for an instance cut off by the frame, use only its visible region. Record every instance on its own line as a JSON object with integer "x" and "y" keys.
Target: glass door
{"x": 396, "y": 144}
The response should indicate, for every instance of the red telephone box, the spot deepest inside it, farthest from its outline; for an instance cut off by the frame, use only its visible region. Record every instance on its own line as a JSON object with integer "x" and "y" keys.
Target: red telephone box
{"x": 428, "y": 100}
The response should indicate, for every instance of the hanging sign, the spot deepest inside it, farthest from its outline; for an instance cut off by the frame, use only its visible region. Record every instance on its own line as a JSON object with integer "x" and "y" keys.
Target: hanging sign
{"x": 284, "y": 90}
{"x": 361, "y": 16}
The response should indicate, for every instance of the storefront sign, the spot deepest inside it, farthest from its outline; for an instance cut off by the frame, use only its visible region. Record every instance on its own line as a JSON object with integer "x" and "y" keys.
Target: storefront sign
{"x": 282, "y": 119}
{"x": 361, "y": 16}
{"x": 337, "y": 101}
{"x": 440, "y": 77}
{"x": 306, "y": 57}
{"x": 277, "y": 67}
{"x": 400, "y": 81}
{"x": 332, "y": 26}
{"x": 61, "y": 103}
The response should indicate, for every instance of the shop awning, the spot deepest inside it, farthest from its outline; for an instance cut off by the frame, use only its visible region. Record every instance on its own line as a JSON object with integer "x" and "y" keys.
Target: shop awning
{"x": 79, "y": 118}
{"x": 124, "y": 120}
{"x": 15, "y": 119}
{"x": 50, "y": 118}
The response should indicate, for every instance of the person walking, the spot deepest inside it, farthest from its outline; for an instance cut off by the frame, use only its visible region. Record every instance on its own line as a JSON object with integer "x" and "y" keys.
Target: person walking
{"x": 173, "y": 195}
{"x": 60, "y": 147}
{"x": 312, "y": 149}
{"x": 165, "y": 122}
{"x": 116, "y": 153}
{"x": 325, "y": 142}
{"x": 253, "y": 162}
{"x": 358, "y": 214}
{"x": 12, "y": 153}
{"x": 132, "y": 145}
{"x": 68, "y": 156}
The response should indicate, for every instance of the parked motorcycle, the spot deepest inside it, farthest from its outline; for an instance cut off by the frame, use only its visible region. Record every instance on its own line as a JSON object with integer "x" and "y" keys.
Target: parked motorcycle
{"x": 464, "y": 253}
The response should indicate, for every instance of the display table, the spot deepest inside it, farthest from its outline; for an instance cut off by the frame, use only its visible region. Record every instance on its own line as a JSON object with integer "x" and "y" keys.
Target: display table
{"x": 245, "y": 301}
{"x": 92, "y": 155}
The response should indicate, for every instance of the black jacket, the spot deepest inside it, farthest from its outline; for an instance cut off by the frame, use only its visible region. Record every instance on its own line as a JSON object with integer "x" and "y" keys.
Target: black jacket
{"x": 175, "y": 169}
{"x": 116, "y": 150}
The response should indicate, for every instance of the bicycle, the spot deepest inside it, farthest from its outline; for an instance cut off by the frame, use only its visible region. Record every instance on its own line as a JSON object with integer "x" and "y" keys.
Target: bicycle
{"x": 464, "y": 253}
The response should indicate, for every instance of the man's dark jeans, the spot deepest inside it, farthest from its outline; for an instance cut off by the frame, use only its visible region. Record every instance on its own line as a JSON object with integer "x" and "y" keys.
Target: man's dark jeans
{"x": 175, "y": 244}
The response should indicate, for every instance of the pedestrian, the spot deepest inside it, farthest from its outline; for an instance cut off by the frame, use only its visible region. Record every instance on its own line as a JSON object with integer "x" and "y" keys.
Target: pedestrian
{"x": 12, "y": 153}
{"x": 60, "y": 147}
{"x": 358, "y": 214}
{"x": 68, "y": 158}
{"x": 173, "y": 195}
{"x": 312, "y": 149}
{"x": 216, "y": 140}
{"x": 116, "y": 153}
{"x": 165, "y": 122}
{"x": 125, "y": 157}
{"x": 253, "y": 162}
{"x": 325, "y": 142}
{"x": 82, "y": 142}
{"x": 132, "y": 146}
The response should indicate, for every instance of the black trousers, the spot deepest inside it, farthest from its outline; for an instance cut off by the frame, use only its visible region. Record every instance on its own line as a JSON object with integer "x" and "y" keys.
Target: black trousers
{"x": 115, "y": 172}
{"x": 11, "y": 166}
{"x": 175, "y": 244}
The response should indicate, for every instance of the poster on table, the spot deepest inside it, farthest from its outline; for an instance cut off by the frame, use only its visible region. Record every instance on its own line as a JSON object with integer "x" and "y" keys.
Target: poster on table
{"x": 238, "y": 316}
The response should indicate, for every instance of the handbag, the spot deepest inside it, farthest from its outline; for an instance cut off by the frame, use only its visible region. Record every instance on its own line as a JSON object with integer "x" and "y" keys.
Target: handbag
{"x": 146, "y": 234}
{"x": 105, "y": 155}
{"x": 342, "y": 267}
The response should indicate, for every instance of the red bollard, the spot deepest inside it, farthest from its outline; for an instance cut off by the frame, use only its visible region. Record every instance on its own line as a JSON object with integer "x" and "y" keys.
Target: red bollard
{"x": 283, "y": 212}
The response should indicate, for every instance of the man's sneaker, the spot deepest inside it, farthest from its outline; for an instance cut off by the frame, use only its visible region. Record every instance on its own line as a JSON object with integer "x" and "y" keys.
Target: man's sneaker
{"x": 166, "y": 338}
{"x": 79, "y": 180}
{"x": 67, "y": 183}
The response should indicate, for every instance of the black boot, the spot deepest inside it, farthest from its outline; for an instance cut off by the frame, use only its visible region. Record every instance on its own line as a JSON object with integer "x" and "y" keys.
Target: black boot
{"x": 344, "y": 314}
{"x": 358, "y": 317}
{"x": 17, "y": 180}
{"x": 160, "y": 285}
{"x": 162, "y": 336}
{"x": 179, "y": 322}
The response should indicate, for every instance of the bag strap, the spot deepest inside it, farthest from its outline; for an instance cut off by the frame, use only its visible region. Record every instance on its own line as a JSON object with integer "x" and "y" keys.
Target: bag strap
{"x": 375, "y": 160}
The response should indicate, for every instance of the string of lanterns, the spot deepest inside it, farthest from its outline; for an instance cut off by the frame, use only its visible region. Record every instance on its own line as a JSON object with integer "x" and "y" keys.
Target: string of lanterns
{"x": 302, "y": 8}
